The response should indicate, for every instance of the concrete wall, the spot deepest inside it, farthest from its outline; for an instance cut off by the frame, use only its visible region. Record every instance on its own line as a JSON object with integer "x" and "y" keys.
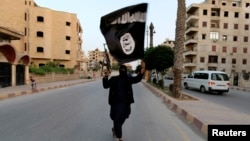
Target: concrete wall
{"x": 55, "y": 77}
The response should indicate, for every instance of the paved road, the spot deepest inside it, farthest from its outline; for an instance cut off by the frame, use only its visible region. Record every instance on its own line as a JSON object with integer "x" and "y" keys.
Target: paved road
{"x": 81, "y": 113}
{"x": 237, "y": 100}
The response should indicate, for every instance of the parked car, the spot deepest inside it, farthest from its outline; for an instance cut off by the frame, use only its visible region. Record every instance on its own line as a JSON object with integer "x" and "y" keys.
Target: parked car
{"x": 208, "y": 81}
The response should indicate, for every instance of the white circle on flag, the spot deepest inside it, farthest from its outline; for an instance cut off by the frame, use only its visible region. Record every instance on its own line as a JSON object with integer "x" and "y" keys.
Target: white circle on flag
{"x": 127, "y": 43}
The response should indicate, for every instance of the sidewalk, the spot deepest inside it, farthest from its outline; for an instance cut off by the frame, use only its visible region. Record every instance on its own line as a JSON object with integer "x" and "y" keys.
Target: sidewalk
{"x": 199, "y": 112}
{"x": 9, "y": 92}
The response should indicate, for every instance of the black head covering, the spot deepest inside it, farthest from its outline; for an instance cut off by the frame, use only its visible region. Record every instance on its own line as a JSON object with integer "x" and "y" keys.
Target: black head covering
{"x": 123, "y": 70}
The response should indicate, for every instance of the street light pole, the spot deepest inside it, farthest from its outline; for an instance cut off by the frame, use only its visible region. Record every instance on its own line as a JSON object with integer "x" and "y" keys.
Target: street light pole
{"x": 147, "y": 35}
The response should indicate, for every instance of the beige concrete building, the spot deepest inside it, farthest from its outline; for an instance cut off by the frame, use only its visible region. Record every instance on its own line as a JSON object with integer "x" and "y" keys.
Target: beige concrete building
{"x": 14, "y": 61}
{"x": 95, "y": 56}
{"x": 217, "y": 37}
{"x": 169, "y": 43}
{"x": 49, "y": 35}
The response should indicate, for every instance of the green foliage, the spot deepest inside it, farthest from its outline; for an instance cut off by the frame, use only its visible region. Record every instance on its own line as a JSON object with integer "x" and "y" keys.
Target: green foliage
{"x": 37, "y": 71}
{"x": 49, "y": 68}
{"x": 138, "y": 69}
{"x": 159, "y": 58}
{"x": 161, "y": 83}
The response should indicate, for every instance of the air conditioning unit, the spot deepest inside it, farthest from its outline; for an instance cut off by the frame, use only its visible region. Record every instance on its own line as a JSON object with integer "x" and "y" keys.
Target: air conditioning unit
{"x": 233, "y": 66}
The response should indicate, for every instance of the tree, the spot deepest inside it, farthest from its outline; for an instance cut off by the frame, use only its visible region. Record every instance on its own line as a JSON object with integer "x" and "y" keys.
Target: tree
{"x": 159, "y": 58}
{"x": 179, "y": 47}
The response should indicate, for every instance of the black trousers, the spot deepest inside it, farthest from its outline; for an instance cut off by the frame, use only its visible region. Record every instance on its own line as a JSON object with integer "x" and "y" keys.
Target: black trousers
{"x": 118, "y": 127}
{"x": 119, "y": 113}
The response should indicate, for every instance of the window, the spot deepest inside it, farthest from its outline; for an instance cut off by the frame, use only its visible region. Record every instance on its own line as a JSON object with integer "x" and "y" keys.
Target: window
{"x": 245, "y": 38}
{"x": 244, "y": 50}
{"x": 225, "y": 25}
{"x": 25, "y": 31}
{"x": 234, "y": 4}
{"x": 234, "y": 49}
{"x": 236, "y": 14}
{"x": 244, "y": 61}
{"x": 233, "y": 61}
{"x": 214, "y": 36}
{"x": 246, "y": 27}
{"x": 39, "y": 34}
{"x": 226, "y": 14}
{"x": 214, "y": 48}
{"x": 68, "y": 23}
{"x": 213, "y": 1}
{"x": 236, "y": 26}
{"x": 201, "y": 75}
{"x": 219, "y": 77}
{"x": 203, "y": 36}
{"x": 224, "y": 49}
{"x": 204, "y": 24}
{"x": 212, "y": 59}
{"x": 224, "y": 37}
{"x": 67, "y": 37}
{"x": 202, "y": 59}
{"x": 40, "y": 65}
{"x": 224, "y": 3}
{"x": 223, "y": 60}
{"x": 40, "y": 19}
{"x": 39, "y": 49}
{"x": 25, "y": 16}
{"x": 213, "y": 25}
{"x": 247, "y": 16}
{"x": 247, "y": 5}
{"x": 235, "y": 38}
{"x": 204, "y": 12}
{"x": 213, "y": 13}
{"x": 67, "y": 51}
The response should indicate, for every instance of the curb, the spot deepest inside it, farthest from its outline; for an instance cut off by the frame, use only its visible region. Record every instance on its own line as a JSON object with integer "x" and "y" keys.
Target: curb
{"x": 28, "y": 92}
{"x": 202, "y": 126}
{"x": 241, "y": 89}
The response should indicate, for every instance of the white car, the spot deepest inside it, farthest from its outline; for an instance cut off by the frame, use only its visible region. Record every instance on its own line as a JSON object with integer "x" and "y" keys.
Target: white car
{"x": 208, "y": 81}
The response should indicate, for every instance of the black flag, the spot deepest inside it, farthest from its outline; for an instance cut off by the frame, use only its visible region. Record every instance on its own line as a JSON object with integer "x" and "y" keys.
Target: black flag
{"x": 124, "y": 32}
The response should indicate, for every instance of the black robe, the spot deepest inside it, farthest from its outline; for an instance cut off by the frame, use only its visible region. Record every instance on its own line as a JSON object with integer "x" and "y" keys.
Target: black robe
{"x": 120, "y": 94}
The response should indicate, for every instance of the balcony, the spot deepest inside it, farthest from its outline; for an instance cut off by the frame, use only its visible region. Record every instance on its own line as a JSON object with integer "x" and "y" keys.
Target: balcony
{"x": 192, "y": 19}
{"x": 189, "y": 63}
{"x": 191, "y": 30}
{"x": 190, "y": 41}
{"x": 190, "y": 52}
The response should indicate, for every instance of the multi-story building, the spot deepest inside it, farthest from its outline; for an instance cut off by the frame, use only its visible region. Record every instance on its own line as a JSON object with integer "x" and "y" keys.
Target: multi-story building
{"x": 49, "y": 35}
{"x": 217, "y": 36}
{"x": 169, "y": 43}
{"x": 95, "y": 56}
{"x": 13, "y": 61}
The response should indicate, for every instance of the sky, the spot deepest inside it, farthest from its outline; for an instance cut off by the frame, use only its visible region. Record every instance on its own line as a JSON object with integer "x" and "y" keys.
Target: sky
{"x": 161, "y": 13}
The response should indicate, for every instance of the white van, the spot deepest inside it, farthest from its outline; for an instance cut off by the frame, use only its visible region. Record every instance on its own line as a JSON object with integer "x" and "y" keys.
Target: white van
{"x": 208, "y": 81}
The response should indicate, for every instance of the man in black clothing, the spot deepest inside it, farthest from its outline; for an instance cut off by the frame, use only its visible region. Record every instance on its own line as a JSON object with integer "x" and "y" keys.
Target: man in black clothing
{"x": 121, "y": 96}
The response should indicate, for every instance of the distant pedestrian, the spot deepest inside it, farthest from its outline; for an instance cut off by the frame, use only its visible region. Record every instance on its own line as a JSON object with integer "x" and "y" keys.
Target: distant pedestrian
{"x": 33, "y": 84}
{"x": 121, "y": 96}
{"x": 94, "y": 75}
